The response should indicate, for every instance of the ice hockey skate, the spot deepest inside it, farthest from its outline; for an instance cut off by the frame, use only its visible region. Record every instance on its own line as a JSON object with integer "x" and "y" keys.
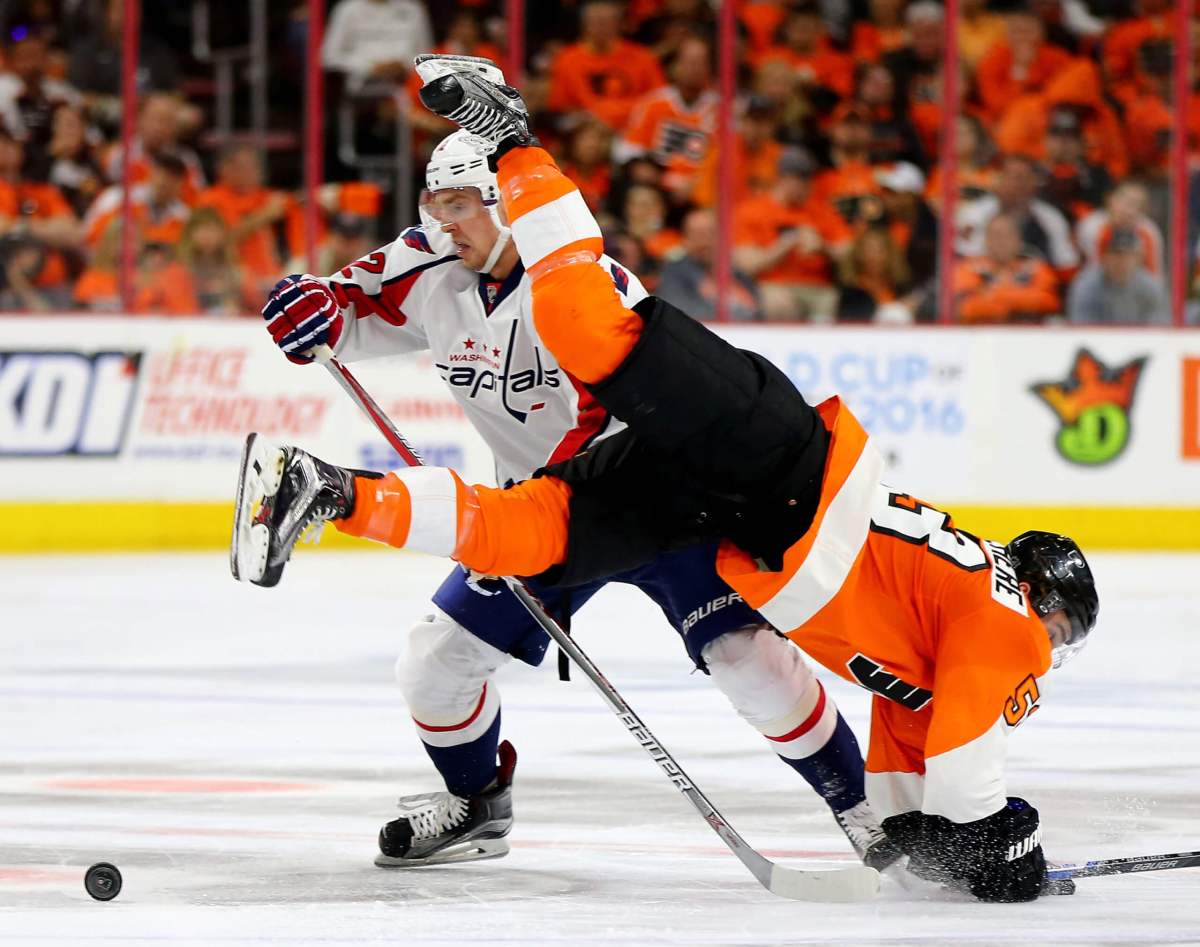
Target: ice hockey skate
{"x": 470, "y": 91}
{"x": 282, "y": 492}
{"x": 865, "y": 833}
{"x": 441, "y": 828}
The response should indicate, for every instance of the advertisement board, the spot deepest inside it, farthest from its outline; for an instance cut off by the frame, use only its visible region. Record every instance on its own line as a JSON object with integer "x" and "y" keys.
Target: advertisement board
{"x": 130, "y": 429}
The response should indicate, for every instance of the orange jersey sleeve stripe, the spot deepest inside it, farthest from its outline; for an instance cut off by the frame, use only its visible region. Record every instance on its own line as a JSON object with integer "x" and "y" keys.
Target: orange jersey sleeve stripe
{"x": 528, "y": 179}
{"x": 518, "y": 531}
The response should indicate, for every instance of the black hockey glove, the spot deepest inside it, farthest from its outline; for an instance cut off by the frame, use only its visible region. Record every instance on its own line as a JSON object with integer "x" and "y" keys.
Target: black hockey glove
{"x": 997, "y": 859}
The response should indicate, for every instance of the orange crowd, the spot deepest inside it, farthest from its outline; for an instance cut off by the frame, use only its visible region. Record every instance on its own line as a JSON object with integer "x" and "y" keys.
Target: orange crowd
{"x": 1062, "y": 145}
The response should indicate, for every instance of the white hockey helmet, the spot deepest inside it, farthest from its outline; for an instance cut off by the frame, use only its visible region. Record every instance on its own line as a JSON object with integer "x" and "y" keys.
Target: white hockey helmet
{"x": 460, "y": 161}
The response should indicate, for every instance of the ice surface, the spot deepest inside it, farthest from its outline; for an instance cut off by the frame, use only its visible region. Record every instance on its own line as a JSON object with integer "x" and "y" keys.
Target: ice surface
{"x": 234, "y": 750}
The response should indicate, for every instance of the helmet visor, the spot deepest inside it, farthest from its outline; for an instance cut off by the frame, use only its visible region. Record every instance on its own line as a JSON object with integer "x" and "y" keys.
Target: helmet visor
{"x": 1067, "y": 629}
{"x": 452, "y": 205}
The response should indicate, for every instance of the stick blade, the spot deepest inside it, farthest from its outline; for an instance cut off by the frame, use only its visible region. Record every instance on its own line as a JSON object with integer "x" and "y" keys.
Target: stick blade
{"x": 858, "y": 883}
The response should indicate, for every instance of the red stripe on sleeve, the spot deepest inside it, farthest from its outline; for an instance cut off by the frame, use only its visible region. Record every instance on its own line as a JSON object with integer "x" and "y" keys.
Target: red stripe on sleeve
{"x": 589, "y": 419}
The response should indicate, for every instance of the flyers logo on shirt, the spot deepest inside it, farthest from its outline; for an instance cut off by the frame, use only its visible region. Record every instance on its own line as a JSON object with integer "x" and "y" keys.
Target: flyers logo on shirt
{"x": 1023, "y": 702}
{"x": 1094, "y": 404}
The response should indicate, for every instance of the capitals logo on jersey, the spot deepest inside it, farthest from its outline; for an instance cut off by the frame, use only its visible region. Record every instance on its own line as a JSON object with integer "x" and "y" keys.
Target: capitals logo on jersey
{"x": 477, "y": 369}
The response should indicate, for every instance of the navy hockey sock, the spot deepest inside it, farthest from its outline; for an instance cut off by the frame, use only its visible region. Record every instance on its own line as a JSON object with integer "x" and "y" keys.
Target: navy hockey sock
{"x": 836, "y": 770}
{"x": 469, "y": 767}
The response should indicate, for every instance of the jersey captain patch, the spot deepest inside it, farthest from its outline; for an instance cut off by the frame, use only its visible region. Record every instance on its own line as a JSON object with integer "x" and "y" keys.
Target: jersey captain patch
{"x": 1006, "y": 589}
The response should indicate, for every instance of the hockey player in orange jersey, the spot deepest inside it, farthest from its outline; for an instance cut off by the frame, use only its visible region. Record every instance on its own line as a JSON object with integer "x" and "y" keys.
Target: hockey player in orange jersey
{"x": 950, "y": 633}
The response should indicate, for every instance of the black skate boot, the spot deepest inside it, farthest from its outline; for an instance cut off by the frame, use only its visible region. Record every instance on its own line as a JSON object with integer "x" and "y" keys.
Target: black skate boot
{"x": 440, "y": 828}
{"x": 470, "y": 91}
{"x": 867, "y": 836}
{"x": 282, "y": 491}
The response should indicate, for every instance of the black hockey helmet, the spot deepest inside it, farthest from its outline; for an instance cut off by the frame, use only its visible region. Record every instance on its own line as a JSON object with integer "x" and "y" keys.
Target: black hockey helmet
{"x": 1058, "y": 577}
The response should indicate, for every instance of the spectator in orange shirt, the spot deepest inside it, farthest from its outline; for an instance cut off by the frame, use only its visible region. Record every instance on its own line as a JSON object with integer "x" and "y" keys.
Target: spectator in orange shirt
{"x": 676, "y": 123}
{"x": 874, "y": 278}
{"x": 589, "y": 163}
{"x": 825, "y": 73}
{"x": 1023, "y": 62}
{"x": 755, "y": 155}
{"x": 882, "y": 31}
{"x": 1152, "y": 20}
{"x": 162, "y": 122}
{"x": 35, "y": 216}
{"x": 1078, "y": 86}
{"x": 761, "y": 20}
{"x": 1072, "y": 184}
{"x": 978, "y": 31}
{"x": 851, "y": 180}
{"x": 98, "y": 288}
{"x": 1149, "y": 118}
{"x": 788, "y": 240}
{"x": 155, "y": 206}
{"x": 602, "y": 74}
{"x": 250, "y": 211}
{"x": 1004, "y": 285}
{"x": 164, "y": 286}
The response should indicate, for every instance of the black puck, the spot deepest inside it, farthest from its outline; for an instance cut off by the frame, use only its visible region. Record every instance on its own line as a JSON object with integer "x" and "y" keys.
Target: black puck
{"x": 103, "y": 881}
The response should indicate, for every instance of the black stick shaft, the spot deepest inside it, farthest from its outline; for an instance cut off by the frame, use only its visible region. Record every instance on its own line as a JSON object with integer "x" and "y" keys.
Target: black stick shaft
{"x": 1121, "y": 866}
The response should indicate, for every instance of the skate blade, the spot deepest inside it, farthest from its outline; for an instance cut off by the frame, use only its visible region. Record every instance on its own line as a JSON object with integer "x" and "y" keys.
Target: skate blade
{"x": 259, "y": 479}
{"x": 472, "y": 851}
{"x": 431, "y": 66}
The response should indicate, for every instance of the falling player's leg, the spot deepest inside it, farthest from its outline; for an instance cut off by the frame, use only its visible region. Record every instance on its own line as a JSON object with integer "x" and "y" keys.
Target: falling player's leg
{"x": 767, "y": 681}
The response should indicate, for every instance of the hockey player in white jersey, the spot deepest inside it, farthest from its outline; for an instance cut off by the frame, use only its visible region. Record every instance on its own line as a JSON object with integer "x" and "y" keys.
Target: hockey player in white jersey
{"x": 455, "y": 286}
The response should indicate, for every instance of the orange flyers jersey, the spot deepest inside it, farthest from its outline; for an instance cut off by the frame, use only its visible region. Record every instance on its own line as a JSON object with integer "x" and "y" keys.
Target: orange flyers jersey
{"x": 674, "y": 133}
{"x": 884, "y": 591}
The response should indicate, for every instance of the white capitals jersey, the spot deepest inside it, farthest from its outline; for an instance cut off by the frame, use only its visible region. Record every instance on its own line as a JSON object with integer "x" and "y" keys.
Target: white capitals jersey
{"x": 405, "y": 298}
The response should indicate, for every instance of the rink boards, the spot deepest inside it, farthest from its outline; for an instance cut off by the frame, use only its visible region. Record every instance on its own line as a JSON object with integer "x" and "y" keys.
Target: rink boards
{"x": 123, "y": 433}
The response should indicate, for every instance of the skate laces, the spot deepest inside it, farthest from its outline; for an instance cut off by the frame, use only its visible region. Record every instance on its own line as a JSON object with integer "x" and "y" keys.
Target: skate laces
{"x": 320, "y": 515}
{"x": 434, "y": 814}
{"x": 861, "y": 826}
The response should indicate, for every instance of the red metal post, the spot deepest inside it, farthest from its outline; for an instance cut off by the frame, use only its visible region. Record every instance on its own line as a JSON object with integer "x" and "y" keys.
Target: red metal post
{"x": 514, "y": 66}
{"x": 948, "y": 161}
{"x": 129, "y": 111}
{"x": 1182, "y": 88}
{"x": 727, "y": 69}
{"x": 314, "y": 121}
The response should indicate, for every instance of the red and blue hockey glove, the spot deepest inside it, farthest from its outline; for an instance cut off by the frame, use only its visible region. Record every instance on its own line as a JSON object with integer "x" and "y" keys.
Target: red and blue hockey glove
{"x": 301, "y": 312}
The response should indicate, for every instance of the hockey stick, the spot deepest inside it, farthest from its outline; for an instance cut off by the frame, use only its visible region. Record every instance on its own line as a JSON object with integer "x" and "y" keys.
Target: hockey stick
{"x": 1121, "y": 866}
{"x": 857, "y": 883}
